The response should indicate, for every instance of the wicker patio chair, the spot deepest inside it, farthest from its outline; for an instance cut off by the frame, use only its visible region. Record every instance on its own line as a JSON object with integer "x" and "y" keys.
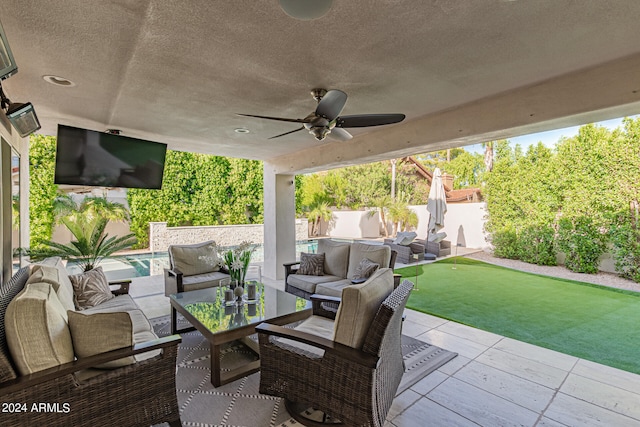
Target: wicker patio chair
{"x": 407, "y": 254}
{"x": 353, "y": 385}
{"x": 140, "y": 394}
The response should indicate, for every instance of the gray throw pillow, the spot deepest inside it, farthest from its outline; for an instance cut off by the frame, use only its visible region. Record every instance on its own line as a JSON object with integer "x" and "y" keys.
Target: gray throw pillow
{"x": 365, "y": 269}
{"x": 311, "y": 264}
{"x": 90, "y": 288}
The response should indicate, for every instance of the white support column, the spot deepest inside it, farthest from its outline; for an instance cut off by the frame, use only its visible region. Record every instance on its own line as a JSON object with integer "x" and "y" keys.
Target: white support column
{"x": 25, "y": 231}
{"x": 279, "y": 222}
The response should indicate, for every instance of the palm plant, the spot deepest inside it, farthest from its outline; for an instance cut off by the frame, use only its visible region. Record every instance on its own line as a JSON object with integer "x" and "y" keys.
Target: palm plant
{"x": 382, "y": 205}
{"x": 317, "y": 212}
{"x": 86, "y": 221}
{"x": 401, "y": 215}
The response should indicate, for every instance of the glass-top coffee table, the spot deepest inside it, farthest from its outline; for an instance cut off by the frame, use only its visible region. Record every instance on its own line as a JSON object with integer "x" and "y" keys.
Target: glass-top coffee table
{"x": 220, "y": 322}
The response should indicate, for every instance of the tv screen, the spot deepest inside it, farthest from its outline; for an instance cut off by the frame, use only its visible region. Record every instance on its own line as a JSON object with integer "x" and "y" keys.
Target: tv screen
{"x": 86, "y": 157}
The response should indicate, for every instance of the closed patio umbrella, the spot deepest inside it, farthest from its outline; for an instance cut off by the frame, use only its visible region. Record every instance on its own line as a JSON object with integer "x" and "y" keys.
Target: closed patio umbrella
{"x": 437, "y": 207}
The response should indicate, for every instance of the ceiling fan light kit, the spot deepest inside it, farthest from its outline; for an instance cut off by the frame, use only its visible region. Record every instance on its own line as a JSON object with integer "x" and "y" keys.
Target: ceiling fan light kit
{"x": 326, "y": 121}
{"x": 306, "y": 10}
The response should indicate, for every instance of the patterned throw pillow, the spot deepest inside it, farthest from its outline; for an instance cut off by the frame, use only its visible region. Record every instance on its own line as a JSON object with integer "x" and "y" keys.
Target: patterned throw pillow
{"x": 365, "y": 269}
{"x": 90, "y": 288}
{"x": 311, "y": 264}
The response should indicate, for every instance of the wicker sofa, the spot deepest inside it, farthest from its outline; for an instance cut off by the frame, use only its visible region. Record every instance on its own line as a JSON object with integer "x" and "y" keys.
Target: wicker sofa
{"x": 41, "y": 369}
{"x": 346, "y": 362}
{"x": 340, "y": 263}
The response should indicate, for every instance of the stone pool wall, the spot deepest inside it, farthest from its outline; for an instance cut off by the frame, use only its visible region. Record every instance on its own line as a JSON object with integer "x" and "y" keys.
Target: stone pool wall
{"x": 161, "y": 236}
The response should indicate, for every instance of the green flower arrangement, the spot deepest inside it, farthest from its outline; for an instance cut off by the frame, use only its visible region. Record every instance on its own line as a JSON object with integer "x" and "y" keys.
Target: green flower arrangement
{"x": 238, "y": 259}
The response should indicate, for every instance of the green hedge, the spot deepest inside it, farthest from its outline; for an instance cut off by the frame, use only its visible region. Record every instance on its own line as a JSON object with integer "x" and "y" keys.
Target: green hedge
{"x": 568, "y": 199}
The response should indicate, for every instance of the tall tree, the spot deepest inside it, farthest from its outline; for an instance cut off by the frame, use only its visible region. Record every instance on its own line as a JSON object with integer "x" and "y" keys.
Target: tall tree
{"x": 488, "y": 155}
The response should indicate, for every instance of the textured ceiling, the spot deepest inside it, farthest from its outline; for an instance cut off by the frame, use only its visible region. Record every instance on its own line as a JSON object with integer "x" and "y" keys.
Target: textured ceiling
{"x": 179, "y": 71}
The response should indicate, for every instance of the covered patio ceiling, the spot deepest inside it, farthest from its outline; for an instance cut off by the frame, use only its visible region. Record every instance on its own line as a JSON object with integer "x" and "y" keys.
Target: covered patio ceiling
{"x": 462, "y": 71}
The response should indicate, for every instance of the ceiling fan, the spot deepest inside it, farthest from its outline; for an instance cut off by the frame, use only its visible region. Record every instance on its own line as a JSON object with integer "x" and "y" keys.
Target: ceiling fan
{"x": 326, "y": 119}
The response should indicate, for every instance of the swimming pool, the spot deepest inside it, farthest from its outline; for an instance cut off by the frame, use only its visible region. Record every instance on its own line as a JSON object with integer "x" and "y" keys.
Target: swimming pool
{"x": 154, "y": 263}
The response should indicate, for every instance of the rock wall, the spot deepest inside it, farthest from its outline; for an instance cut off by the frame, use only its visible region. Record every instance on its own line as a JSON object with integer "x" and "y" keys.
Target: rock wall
{"x": 161, "y": 236}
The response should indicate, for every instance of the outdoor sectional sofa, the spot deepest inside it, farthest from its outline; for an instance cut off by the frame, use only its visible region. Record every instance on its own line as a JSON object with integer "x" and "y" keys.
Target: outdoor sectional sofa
{"x": 63, "y": 367}
{"x": 341, "y": 260}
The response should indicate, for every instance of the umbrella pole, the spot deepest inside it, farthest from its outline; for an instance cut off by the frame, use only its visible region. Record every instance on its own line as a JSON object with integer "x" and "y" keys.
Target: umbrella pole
{"x": 415, "y": 256}
{"x": 455, "y": 259}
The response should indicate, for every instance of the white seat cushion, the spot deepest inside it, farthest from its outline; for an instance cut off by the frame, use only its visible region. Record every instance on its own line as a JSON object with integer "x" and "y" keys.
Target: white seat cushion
{"x": 205, "y": 280}
{"x": 359, "y": 306}
{"x": 316, "y": 325}
{"x": 333, "y": 289}
{"x": 309, "y": 283}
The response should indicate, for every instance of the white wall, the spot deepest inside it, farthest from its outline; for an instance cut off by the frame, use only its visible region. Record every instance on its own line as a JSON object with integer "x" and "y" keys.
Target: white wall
{"x": 463, "y": 223}
{"x": 353, "y": 224}
{"x": 61, "y": 234}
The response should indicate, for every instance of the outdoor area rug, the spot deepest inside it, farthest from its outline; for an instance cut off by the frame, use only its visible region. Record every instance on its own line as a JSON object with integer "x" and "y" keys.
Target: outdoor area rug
{"x": 239, "y": 403}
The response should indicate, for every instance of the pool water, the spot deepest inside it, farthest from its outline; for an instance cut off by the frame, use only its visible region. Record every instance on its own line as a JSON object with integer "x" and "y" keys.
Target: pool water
{"x": 154, "y": 263}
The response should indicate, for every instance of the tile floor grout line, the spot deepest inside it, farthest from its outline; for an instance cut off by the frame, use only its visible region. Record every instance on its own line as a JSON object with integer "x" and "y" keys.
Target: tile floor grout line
{"x": 555, "y": 394}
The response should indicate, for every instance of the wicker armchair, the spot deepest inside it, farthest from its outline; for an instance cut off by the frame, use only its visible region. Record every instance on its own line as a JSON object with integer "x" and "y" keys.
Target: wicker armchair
{"x": 192, "y": 267}
{"x": 407, "y": 254}
{"x": 353, "y": 385}
{"x": 143, "y": 393}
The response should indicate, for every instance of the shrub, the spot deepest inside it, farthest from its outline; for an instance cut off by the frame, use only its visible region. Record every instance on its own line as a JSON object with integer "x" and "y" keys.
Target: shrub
{"x": 625, "y": 236}
{"x": 537, "y": 246}
{"x": 582, "y": 242}
{"x": 505, "y": 244}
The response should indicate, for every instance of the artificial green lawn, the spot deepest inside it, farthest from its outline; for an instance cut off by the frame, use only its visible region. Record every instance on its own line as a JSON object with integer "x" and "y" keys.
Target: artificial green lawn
{"x": 591, "y": 322}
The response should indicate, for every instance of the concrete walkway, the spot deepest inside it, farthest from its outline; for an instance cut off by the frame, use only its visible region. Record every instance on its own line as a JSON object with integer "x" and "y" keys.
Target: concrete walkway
{"x": 494, "y": 381}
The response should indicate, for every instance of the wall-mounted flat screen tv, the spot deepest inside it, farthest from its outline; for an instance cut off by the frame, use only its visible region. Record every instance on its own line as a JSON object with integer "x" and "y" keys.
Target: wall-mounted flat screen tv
{"x": 89, "y": 158}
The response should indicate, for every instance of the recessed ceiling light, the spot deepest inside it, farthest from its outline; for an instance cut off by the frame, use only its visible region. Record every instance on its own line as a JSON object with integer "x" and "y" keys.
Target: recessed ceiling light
{"x": 241, "y": 130}
{"x": 58, "y": 81}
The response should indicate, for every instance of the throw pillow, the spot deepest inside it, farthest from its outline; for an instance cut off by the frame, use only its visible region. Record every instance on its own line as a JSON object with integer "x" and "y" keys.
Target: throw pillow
{"x": 438, "y": 237}
{"x": 101, "y": 332}
{"x": 36, "y": 329}
{"x": 90, "y": 288}
{"x": 199, "y": 258}
{"x": 365, "y": 269}
{"x": 60, "y": 282}
{"x": 311, "y": 264}
{"x": 405, "y": 238}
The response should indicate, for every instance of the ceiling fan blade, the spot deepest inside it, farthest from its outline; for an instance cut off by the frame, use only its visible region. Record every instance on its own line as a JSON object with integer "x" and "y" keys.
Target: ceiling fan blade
{"x": 287, "y": 133}
{"x": 340, "y": 134}
{"x": 331, "y": 105}
{"x": 364, "y": 120}
{"x": 276, "y": 118}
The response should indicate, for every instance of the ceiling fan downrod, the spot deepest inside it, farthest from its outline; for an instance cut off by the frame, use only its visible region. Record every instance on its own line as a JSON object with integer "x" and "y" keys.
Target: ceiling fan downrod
{"x": 318, "y": 94}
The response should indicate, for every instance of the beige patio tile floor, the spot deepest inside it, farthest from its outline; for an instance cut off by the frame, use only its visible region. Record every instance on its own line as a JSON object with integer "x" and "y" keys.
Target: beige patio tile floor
{"x": 494, "y": 381}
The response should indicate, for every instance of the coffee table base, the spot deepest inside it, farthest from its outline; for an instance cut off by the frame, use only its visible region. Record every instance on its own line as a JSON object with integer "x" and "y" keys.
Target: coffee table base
{"x": 309, "y": 417}
{"x": 219, "y": 377}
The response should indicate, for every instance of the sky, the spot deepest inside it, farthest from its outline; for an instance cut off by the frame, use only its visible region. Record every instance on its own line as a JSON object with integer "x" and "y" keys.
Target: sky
{"x": 549, "y": 138}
